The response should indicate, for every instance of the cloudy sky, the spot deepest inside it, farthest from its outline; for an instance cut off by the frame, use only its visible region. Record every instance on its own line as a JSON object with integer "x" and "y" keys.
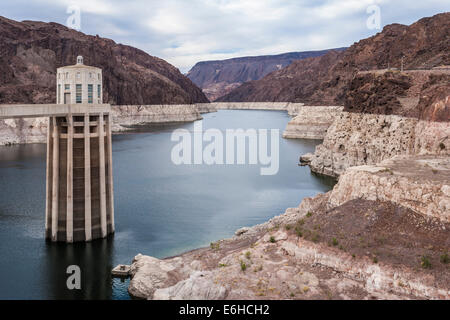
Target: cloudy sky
{"x": 184, "y": 32}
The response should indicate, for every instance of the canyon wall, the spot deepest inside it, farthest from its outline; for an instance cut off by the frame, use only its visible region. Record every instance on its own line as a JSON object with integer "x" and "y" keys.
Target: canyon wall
{"x": 219, "y": 77}
{"x": 311, "y": 122}
{"x": 358, "y": 139}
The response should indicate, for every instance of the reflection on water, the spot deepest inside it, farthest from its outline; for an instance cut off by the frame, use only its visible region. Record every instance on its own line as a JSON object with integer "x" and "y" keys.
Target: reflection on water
{"x": 95, "y": 262}
{"x": 161, "y": 209}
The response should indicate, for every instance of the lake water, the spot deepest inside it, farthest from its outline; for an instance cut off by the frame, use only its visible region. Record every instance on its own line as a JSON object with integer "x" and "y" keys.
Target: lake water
{"x": 160, "y": 209}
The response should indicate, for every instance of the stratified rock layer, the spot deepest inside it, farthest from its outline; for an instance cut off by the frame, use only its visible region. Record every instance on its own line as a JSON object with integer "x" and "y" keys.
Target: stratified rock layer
{"x": 356, "y": 139}
{"x": 421, "y": 183}
{"x": 311, "y": 122}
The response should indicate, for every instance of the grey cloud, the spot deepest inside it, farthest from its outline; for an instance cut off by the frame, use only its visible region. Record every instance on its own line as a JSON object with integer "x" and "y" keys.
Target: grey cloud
{"x": 184, "y": 32}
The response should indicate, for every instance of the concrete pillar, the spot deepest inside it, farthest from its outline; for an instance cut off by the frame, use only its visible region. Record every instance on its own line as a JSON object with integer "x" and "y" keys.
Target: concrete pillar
{"x": 48, "y": 183}
{"x": 87, "y": 179}
{"x": 55, "y": 182}
{"x": 101, "y": 145}
{"x": 69, "y": 217}
{"x": 110, "y": 171}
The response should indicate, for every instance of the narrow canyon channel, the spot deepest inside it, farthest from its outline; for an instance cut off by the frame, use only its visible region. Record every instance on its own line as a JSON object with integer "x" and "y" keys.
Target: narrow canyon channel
{"x": 161, "y": 209}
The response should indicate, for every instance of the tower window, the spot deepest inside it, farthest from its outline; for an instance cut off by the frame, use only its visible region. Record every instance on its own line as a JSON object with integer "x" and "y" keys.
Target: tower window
{"x": 99, "y": 91}
{"x": 78, "y": 75}
{"x": 78, "y": 93}
{"x": 90, "y": 93}
{"x": 67, "y": 87}
{"x": 58, "y": 98}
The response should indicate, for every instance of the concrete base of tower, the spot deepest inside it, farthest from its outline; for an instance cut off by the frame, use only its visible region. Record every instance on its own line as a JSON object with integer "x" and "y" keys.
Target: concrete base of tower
{"x": 80, "y": 193}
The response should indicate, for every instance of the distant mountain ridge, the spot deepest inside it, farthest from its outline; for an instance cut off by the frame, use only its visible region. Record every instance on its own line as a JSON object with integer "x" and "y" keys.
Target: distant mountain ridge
{"x": 31, "y": 51}
{"x": 219, "y": 77}
{"x": 335, "y": 78}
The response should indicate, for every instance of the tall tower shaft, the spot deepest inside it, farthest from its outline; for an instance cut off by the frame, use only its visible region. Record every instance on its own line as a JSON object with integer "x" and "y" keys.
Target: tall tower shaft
{"x": 80, "y": 193}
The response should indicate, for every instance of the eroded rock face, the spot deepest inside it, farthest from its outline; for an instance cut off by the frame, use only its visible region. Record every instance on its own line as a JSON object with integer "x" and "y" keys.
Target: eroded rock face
{"x": 356, "y": 139}
{"x": 32, "y": 51}
{"x": 18, "y": 131}
{"x": 311, "y": 122}
{"x": 421, "y": 183}
{"x": 150, "y": 274}
{"x": 130, "y": 116}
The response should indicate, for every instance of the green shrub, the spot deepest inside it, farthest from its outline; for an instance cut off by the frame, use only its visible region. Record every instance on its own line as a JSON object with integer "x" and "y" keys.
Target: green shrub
{"x": 425, "y": 262}
{"x": 215, "y": 245}
{"x": 444, "y": 258}
{"x": 272, "y": 239}
{"x": 243, "y": 266}
{"x": 335, "y": 242}
{"x": 309, "y": 214}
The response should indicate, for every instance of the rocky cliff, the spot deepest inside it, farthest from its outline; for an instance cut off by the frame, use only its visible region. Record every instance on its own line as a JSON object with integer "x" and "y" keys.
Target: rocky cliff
{"x": 330, "y": 79}
{"x": 218, "y": 78}
{"x": 355, "y": 139}
{"x": 31, "y": 51}
{"x": 311, "y": 122}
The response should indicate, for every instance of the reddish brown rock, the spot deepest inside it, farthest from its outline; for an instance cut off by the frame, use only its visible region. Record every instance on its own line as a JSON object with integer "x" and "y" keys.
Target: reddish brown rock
{"x": 31, "y": 51}
{"x": 332, "y": 79}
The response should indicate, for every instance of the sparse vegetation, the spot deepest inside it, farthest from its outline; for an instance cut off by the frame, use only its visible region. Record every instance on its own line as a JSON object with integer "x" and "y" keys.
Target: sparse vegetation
{"x": 215, "y": 245}
{"x": 258, "y": 268}
{"x": 222, "y": 265}
{"x": 425, "y": 262}
{"x": 334, "y": 242}
{"x": 375, "y": 260}
{"x": 272, "y": 239}
{"x": 248, "y": 254}
{"x": 301, "y": 222}
{"x": 288, "y": 227}
{"x": 442, "y": 146}
{"x": 299, "y": 232}
{"x": 315, "y": 237}
{"x": 445, "y": 258}
{"x": 243, "y": 266}
{"x": 309, "y": 214}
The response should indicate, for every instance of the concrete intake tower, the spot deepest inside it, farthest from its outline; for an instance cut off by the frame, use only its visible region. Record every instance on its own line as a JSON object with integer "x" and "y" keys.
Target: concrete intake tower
{"x": 80, "y": 196}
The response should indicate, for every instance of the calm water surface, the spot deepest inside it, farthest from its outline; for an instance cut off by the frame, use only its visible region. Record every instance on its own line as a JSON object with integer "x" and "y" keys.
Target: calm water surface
{"x": 160, "y": 209}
